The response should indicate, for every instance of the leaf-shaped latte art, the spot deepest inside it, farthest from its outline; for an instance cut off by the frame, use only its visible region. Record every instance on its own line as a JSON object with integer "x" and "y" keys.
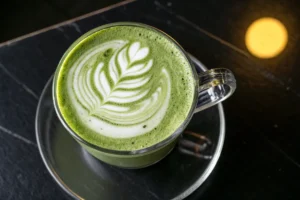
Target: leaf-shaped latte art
{"x": 115, "y": 90}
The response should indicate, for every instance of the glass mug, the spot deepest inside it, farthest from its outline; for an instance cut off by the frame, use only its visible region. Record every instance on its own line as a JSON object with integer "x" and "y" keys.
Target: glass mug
{"x": 213, "y": 86}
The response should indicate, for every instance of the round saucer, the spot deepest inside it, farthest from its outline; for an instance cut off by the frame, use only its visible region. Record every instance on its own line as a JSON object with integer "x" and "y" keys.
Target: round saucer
{"x": 175, "y": 177}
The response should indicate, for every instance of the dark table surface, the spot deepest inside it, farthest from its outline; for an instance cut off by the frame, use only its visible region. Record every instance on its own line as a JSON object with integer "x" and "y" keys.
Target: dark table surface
{"x": 261, "y": 155}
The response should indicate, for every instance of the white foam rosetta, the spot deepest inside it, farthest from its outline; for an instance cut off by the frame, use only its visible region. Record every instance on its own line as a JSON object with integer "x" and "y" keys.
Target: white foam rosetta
{"x": 119, "y": 99}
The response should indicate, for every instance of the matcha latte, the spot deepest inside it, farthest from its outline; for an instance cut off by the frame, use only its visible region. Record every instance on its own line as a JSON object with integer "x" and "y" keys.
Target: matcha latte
{"x": 125, "y": 88}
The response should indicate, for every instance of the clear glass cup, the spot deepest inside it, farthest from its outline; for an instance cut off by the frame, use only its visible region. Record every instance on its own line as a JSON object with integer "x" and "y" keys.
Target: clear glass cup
{"x": 213, "y": 86}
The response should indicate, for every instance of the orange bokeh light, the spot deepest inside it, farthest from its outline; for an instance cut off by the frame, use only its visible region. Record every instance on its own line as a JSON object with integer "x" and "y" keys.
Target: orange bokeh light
{"x": 266, "y": 37}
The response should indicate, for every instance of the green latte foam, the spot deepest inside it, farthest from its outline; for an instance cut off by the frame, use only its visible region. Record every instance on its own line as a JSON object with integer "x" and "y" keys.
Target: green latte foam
{"x": 124, "y": 88}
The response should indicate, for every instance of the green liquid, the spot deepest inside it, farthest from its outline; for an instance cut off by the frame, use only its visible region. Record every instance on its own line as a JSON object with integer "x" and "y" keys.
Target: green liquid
{"x": 164, "y": 54}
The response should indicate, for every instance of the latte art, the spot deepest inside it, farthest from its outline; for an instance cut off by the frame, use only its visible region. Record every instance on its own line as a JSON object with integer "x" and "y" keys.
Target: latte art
{"x": 124, "y": 87}
{"x": 119, "y": 98}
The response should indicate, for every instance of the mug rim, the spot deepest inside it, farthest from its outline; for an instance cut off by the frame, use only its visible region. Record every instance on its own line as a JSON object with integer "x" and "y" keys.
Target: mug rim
{"x": 145, "y": 150}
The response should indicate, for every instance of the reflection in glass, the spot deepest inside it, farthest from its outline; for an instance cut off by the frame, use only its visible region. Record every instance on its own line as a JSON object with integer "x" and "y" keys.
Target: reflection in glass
{"x": 195, "y": 144}
{"x": 266, "y": 37}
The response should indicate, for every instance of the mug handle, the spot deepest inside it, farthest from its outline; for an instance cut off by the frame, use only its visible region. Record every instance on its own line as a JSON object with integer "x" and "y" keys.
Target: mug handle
{"x": 215, "y": 85}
